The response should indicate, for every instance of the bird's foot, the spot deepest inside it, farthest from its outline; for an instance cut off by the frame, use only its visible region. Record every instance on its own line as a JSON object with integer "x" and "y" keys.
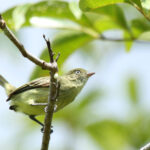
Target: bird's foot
{"x": 42, "y": 130}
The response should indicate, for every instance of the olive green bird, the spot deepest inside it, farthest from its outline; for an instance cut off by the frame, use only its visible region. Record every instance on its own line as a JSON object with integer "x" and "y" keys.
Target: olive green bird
{"x": 31, "y": 98}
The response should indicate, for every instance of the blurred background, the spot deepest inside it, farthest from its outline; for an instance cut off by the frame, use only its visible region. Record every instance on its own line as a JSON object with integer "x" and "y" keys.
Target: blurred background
{"x": 112, "y": 111}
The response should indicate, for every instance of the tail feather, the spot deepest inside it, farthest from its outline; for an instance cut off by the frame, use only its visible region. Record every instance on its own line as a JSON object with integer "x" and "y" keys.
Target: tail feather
{"x": 6, "y": 85}
{"x": 2, "y": 81}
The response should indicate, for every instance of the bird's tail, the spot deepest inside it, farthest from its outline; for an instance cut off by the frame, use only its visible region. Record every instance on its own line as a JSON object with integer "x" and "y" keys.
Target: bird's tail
{"x": 6, "y": 85}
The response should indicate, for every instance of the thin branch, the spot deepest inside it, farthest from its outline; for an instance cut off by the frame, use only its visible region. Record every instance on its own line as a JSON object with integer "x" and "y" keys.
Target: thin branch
{"x": 21, "y": 48}
{"x": 146, "y": 147}
{"x": 54, "y": 90}
{"x": 51, "y": 54}
{"x": 102, "y": 37}
{"x": 140, "y": 10}
{"x": 57, "y": 57}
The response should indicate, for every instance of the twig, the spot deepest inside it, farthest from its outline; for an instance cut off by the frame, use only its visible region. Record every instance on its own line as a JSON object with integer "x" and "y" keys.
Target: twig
{"x": 54, "y": 90}
{"x": 146, "y": 147}
{"x": 21, "y": 48}
{"x": 102, "y": 37}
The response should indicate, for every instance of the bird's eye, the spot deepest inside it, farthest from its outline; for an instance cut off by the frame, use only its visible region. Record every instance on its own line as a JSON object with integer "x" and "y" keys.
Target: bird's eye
{"x": 77, "y": 71}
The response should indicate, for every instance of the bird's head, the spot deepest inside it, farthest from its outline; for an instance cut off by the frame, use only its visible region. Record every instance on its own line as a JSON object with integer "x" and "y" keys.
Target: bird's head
{"x": 79, "y": 75}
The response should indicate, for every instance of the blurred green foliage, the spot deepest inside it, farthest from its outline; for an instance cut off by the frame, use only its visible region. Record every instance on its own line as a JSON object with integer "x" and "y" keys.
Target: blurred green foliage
{"x": 76, "y": 28}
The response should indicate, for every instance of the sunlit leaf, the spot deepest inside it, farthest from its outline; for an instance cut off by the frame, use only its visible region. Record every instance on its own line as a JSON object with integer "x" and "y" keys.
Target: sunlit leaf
{"x": 25, "y": 12}
{"x": 43, "y": 22}
{"x": 19, "y": 15}
{"x": 87, "y": 5}
{"x": 145, "y": 4}
{"x": 145, "y": 36}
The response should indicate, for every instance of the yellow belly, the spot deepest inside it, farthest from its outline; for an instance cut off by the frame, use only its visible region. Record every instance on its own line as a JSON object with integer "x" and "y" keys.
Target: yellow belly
{"x": 25, "y": 101}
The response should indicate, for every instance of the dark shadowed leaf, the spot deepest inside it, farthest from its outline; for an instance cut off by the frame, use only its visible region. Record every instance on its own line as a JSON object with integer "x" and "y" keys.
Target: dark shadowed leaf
{"x": 139, "y": 133}
{"x": 140, "y": 26}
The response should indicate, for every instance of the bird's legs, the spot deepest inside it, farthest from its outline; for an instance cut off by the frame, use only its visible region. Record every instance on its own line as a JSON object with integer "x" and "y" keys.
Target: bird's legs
{"x": 32, "y": 117}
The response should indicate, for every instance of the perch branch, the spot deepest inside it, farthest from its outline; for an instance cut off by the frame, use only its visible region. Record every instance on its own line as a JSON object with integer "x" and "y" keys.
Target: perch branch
{"x": 54, "y": 90}
{"x": 21, "y": 48}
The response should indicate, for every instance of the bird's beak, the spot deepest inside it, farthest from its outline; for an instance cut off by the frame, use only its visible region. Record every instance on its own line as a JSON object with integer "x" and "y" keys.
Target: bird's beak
{"x": 90, "y": 74}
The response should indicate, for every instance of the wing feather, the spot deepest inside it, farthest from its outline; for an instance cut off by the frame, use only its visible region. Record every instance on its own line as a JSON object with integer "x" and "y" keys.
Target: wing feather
{"x": 37, "y": 83}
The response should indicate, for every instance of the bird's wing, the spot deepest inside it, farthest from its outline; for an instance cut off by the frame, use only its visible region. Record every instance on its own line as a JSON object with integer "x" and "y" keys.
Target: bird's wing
{"x": 37, "y": 83}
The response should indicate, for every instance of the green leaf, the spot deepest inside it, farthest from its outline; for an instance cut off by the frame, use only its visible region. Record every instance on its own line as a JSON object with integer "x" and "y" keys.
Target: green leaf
{"x": 87, "y": 5}
{"x": 109, "y": 134}
{"x": 145, "y": 36}
{"x": 57, "y": 9}
{"x": 128, "y": 44}
{"x": 19, "y": 15}
{"x": 74, "y": 7}
{"x": 113, "y": 15}
{"x": 139, "y": 133}
{"x": 108, "y": 17}
{"x": 133, "y": 90}
{"x": 90, "y": 5}
{"x": 44, "y": 22}
{"x": 137, "y": 2}
{"x": 50, "y": 14}
{"x": 139, "y": 26}
{"x": 65, "y": 43}
{"x": 15, "y": 17}
{"x": 25, "y": 12}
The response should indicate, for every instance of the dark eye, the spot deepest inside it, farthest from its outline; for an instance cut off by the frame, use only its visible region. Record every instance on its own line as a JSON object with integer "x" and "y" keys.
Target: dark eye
{"x": 77, "y": 72}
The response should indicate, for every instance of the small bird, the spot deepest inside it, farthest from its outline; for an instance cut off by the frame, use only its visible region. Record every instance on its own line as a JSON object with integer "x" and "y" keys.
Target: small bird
{"x": 31, "y": 98}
